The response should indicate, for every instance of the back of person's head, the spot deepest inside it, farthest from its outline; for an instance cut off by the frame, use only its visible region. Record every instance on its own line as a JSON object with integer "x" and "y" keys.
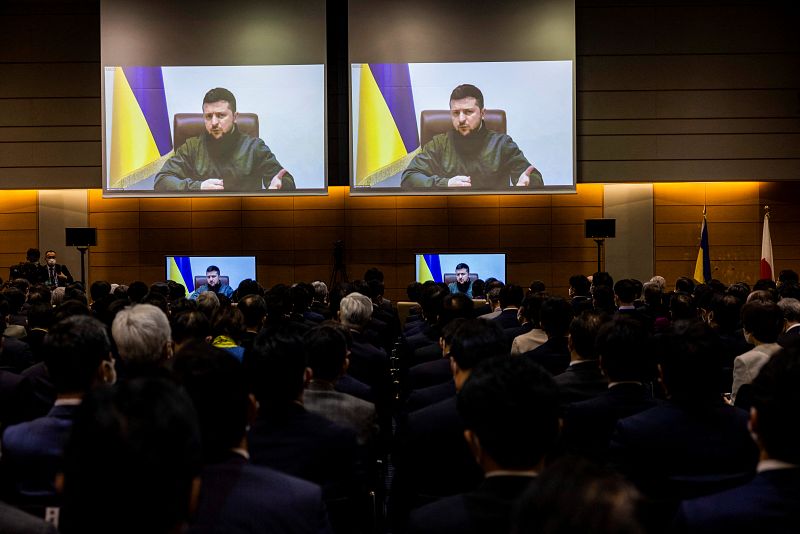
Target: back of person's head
{"x": 20, "y": 283}
{"x": 229, "y": 324}
{"x": 130, "y": 462}
{"x": 355, "y": 310}
{"x": 789, "y": 290}
{"x": 583, "y": 332}
{"x": 414, "y": 291}
{"x": 493, "y": 295}
{"x": 623, "y": 348}
{"x": 493, "y": 283}
{"x": 573, "y": 495}
{"x": 537, "y": 286}
{"x": 326, "y": 351}
{"x": 739, "y": 290}
{"x": 254, "y": 310}
{"x": 580, "y": 285}
{"x": 790, "y": 308}
{"x": 684, "y": 284}
{"x": 478, "y": 289}
{"x": 279, "y": 303}
{"x": 175, "y": 291}
{"x": 320, "y": 291}
{"x": 71, "y": 308}
{"x": 373, "y": 273}
{"x": 727, "y": 311}
{"x": 603, "y": 299}
{"x": 75, "y": 350}
{"x": 660, "y": 280}
{"x": 375, "y": 290}
{"x": 33, "y": 254}
{"x": 765, "y": 284}
{"x": 556, "y": 315}
{"x": 602, "y": 278}
{"x": 788, "y": 275}
{"x": 302, "y": 296}
{"x": 162, "y": 288}
{"x": 455, "y": 306}
{"x": 625, "y": 290}
{"x": 762, "y": 320}
{"x": 682, "y": 308}
{"x": 477, "y": 340}
{"x": 189, "y": 325}
{"x": 431, "y": 301}
{"x": 40, "y": 315}
{"x": 15, "y": 299}
{"x": 776, "y": 396}
{"x": 531, "y": 307}
{"x": 511, "y": 406}
{"x": 40, "y": 293}
{"x": 690, "y": 359}
{"x": 763, "y": 295}
{"x": 158, "y": 300}
{"x": 653, "y": 294}
{"x": 208, "y": 303}
{"x": 136, "y": 291}
{"x": 248, "y": 286}
{"x": 276, "y": 365}
{"x": 216, "y": 382}
{"x": 511, "y": 295}
{"x": 142, "y": 334}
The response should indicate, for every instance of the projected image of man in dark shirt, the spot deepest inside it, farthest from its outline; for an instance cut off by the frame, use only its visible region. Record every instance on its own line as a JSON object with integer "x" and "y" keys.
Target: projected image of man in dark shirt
{"x": 223, "y": 159}
{"x": 470, "y": 155}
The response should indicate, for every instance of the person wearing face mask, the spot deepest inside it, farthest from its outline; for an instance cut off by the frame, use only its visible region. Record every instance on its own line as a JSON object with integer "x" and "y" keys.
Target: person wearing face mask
{"x": 58, "y": 275}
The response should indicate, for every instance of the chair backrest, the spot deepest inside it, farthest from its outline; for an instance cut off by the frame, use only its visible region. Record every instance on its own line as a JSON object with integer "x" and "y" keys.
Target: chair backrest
{"x": 451, "y": 277}
{"x": 436, "y": 121}
{"x": 200, "y": 280}
{"x": 186, "y": 125}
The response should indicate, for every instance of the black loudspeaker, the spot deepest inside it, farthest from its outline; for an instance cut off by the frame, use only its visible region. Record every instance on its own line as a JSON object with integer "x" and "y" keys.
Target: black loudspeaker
{"x": 81, "y": 237}
{"x": 600, "y": 228}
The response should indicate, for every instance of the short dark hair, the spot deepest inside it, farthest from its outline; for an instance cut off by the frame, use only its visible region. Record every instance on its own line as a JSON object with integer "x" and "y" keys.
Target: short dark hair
{"x": 373, "y": 273}
{"x": 776, "y": 395}
{"x": 764, "y": 320}
{"x": 580, "y": 284}
{"x": 73, "y": 351}
{"x": 583, "y": 331}
{"x": 189, "y": 324}
{"x": 555, "y": 316}
{"x": 218, "y": 94}
{"x": 133, "y": 448}
{"x": 477, "y": 340}
{"x": 691, "y": 361}
{"x": 622, "y": 345}
{"x": 276, "y": 364}
{"x": 326, "y": 350}
{"x": 467, "y": 90}
{"x": 254, "y": 310}
{"x": 531, "y": 307}
{"x": 212, "y": 268}
{"x": 681, "y": 307}
{"x": 462, "y": 266}
{"x": 99, "y": 289}
{"x": 455, "y": 306}
{"x": 512, "y": 406}
{"x": 788, "y": 275}
{"x": 602, "y": 278}
{"x": 216, "y": 382}
{"x": 33, "y": 254}
{"x": 684, "y": 284}
{"x": 625, "y": 290}
{"x": 511, "y": 295}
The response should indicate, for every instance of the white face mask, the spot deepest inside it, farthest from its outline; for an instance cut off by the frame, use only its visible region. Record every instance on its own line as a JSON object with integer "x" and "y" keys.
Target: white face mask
{"x": 51, "y": 261}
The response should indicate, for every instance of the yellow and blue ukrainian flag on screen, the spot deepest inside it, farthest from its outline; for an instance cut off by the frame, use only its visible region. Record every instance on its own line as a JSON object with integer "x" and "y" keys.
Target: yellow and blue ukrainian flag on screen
{"x": 180, "y": 270}
{"x": 140, "y": 135}
{"x": 429, "y": 268}
{"x": 702, "y": 267}
{"x": 388, "y": 137}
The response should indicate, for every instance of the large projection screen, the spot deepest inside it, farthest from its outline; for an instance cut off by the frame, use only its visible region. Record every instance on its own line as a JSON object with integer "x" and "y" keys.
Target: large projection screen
{"x": 166, "y": 134}
{"x": 408, "y": 137}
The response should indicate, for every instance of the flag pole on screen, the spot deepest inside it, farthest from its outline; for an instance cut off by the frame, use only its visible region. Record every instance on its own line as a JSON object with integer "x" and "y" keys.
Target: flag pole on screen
{"x": 767, "y": 266}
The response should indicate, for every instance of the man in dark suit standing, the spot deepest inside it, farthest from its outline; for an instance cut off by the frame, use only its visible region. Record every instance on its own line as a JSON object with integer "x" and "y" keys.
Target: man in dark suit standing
{"x": 771, "y": 501}
{"x": 58, "y": 274}
{"x": 236, "y": 494}
{"x": 510, "y": 412}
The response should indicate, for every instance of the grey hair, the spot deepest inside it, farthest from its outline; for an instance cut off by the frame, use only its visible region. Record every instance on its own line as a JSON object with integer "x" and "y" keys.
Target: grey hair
{"x": 320, "y": 290}
{"x": 208, "y": 303}
{"x": 790, "y": 308}
{"x": 141, "y": 332}
{"x": 355, "y": 310}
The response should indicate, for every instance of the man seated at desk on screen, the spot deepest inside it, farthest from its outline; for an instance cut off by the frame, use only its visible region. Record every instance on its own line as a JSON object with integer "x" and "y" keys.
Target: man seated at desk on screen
{"x": 223, "y": 158}
{"x": 213, "y": 283}
{"x": 470, "y": 155}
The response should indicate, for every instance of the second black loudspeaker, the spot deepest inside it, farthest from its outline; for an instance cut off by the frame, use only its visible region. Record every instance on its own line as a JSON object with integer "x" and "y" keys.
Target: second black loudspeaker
{"x": 600, "y": 228}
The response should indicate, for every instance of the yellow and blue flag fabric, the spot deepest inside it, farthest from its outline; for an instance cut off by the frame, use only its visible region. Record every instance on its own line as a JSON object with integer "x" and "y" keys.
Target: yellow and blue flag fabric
{"x": 141, "y": 140}
{"x": 388, "y": 137}
{"x": 702, "y": 267}
{"x": 429, "y": 268}
{"x": 180, "y": 270}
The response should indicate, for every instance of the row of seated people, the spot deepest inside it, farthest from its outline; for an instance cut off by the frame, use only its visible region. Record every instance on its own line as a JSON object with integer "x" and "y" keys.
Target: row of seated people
{"x": 305, "y": 418}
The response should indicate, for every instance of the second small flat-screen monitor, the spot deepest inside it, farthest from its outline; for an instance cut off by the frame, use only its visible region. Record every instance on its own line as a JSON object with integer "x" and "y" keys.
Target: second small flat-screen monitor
{"x": 190, "y": 271}
{"x": 442, "y": 267}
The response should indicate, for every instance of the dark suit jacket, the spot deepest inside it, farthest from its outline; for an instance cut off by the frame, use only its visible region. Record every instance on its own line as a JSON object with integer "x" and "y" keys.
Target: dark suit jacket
{"x": 421, "y": 398}
{"x": 768, "y": 503}
{"x": 485, "y": 510}
{"x": 580, "y": 381}
{"x": 33, "y": 453}
{"x": 351, "y": 386}
{"x": 237, "y": 497}
{"x": 789, "y": 337}
{"x": 678, "y": 441}
{"x": 588, "y": 425}
{"x": 553, "y": 355}
{"x": 508, "y": 318}
{"x": 430, "y": 373}
{"x": 16, "y": 355}
{"x": 431, "y": 458}
{"x": 306, "y": 445}
{"x": 59, "y": 269}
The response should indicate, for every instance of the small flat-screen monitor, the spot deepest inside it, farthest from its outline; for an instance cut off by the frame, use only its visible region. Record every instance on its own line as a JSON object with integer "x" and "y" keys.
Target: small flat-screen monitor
{"x": 190, "y": 271}
{"x": 442, "y": 267}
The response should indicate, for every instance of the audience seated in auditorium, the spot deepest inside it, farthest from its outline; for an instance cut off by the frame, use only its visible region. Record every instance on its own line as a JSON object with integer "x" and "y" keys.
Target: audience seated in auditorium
{"x": 511, "y": 296}
{"x": 452, "y": 306}
{"x": 762, "y": 323}
{"x": 553, "y": 355}
{"x": 509, "y": 407}
{"x": 530, "y": 316}
{"x": 771, "y": 501}
{"x": 78, "y": 358}
{"x": 583, "y": 379}
{"x": 791, "y": 321}
{"x": 236, "y": 495}
{"x": 254, "y": 313}
{"x": 142, "y": 336}
{"x": 580, "y": 293}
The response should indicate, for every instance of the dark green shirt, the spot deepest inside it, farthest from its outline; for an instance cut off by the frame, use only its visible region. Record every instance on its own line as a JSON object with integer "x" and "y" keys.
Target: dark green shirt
{"x": 492, "y": 160}
{"x": 244, "y": 163}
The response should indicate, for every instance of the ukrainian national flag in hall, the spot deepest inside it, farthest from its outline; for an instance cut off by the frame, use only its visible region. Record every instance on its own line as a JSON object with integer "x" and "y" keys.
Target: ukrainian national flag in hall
{"x": 140, "y": 135}
{"x": 429, "y": 268}
{"x": 180, "y": 270}
{"x": 388, "y": 137}
{"x": 702, "y": 267}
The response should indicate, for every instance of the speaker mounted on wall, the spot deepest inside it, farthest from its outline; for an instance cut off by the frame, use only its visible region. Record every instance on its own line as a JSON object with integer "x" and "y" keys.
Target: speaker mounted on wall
{"x": 600, "y": 228}
{"x": 81, "y": 237}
